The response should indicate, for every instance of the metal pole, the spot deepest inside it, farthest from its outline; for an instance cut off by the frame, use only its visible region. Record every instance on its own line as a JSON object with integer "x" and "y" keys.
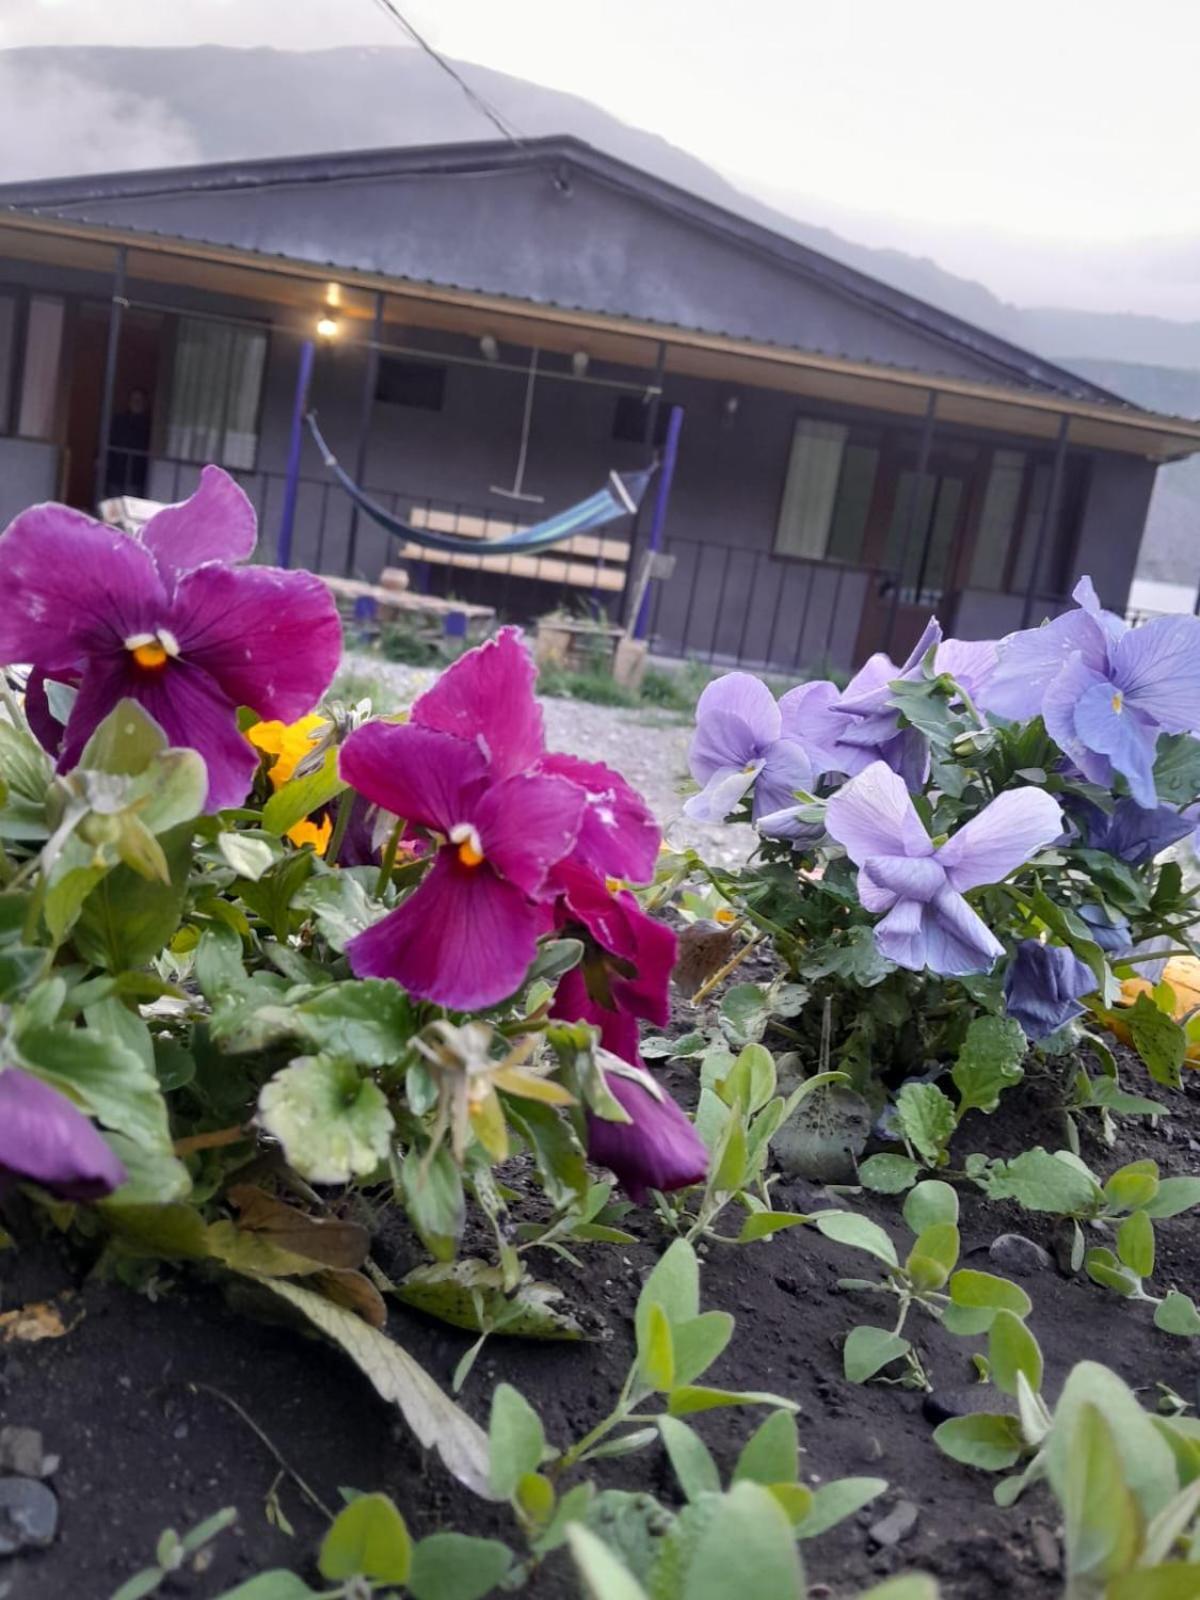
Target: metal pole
{"x": 370, "y": 379}
{"x": 116, "y": 309}
{"x": 291, "y": 484}
{"x": 918, "y": 482}
{"x": 666, "y": 476}
{"x": 1049, "y": 510}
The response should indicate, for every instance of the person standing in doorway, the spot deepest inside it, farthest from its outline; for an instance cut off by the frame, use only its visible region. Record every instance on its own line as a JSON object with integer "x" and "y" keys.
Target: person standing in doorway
{"x": 125, "y": 471}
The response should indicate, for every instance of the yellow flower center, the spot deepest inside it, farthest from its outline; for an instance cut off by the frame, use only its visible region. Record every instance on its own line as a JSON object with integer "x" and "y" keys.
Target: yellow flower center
{"x": 469, "y": 855}
{"x": 470, "y": 849}
{"x": 150, "y": 655}
{"x": 152, "y": 651}
{"x": 1118, "y": 701}
{"x": 724, "y": 914}
{"x": 613, "y": 885}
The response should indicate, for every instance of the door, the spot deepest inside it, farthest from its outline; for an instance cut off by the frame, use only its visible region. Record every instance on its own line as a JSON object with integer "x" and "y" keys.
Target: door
{"x": 133, "y": 399}
{"x": 916, "y": 533}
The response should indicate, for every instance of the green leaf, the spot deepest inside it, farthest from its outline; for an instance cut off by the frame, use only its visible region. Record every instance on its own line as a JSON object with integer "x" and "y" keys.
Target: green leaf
{"x": 698, "y": 1341}
{"x": 1100, "y": 1516}
{"x": 981, "y": 1289}
{"x": 762, "y": 1224}
{"x": 1012, "y": 1349}
{"x": 932, "y": 1258}
{"x": 302, "y": 796}
{"x": 847, "y": 1227}
{"x": 888, "y": 1174}
{"x": 603, "y": 1575}
{"x": 277, "y": 1584}
{"x": 248, "y": 854}
{"x": 1132, "y": 1186}
{"x": 1177, "y": 769}
{"x": 1040, "y": 1181}
{"x": 1103, "y": 1267}
{"x": 1147, "y": 1460}
{"x": 24, "y": 766}
{"x": 340, "y": 905}
{"x": 1175, "y": 1195}
{"x": 689, "y": 1398}
{"x": 370, "y": 1021}
{"x": 516, "y": 1440}
{"x": 126, "y": 920}
{"x": 989, "y": 1062}
{"x": 1135, "y": 1244}
{"x": 912, "y": 1586}
{"x": 931, "y": 1202}
{"x": 674, "y": 1284}
{"x": 1177, "y": 1313}
{"x": 434, "y": 1418}
{"x": 369, "y": 1538}
{"x": 656, "y": 1359}
{"x": 867, "y": 1350}
{"x": 771, "y": 1454}
{"x": 455, "y": 1566}
{"x": 986, "y": 1440}
{"x": 1158, "y": 1039}
{"x": 926, "y": 1118}
{"x": 103, "y": 1075}
{"x": 853, "y": 956}
{"x": 560, "y": 1161}
{"x": 473, "y": 1294}
{"x": 745, "y": 1011}
{"x": 747, "y": 1547}
{"x": 333, "y": 1123}
{"x": 751, "y": 1079}
{"x": 690, "y": 1459}
{"x": 834, "y": 1502}
{"x": 433, "y": 1196}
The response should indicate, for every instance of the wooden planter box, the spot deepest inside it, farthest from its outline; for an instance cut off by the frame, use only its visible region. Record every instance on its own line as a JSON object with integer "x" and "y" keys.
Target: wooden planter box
{"x": 583, "y": 647}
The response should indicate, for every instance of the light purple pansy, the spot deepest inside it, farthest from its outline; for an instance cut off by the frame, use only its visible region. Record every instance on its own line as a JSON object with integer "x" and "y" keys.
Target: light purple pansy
{"x": 44, "y": 1139}
{"x": 1105, "y": 691}
{"x": 919, "y": 886}
{"x": 739, "y": 742}
{"x": 167, "y": 619}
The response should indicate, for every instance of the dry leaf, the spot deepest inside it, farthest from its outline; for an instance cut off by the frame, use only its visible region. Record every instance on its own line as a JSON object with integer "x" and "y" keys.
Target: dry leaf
{"x": 329, "y": 1240}
{"x": 41, "y": 1319}
{"x": 704, "y": 948}
{"x": 356, "y": 1293}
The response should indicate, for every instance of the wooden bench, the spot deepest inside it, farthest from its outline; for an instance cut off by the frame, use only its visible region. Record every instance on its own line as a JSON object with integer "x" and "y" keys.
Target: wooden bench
{"x": 603, "y": 565}
{"x": 393, "y": 599}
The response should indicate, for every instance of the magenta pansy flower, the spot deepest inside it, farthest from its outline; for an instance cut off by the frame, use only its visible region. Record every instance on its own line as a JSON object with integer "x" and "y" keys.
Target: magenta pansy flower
{"x": 627, "y": 965}
{"x": 169, "y": 619}
{"x": 658, "y": 1148}
{"x": 44, "y": 1139}
{"x": 466, "y": 936}
{"x": 920, "y": 886}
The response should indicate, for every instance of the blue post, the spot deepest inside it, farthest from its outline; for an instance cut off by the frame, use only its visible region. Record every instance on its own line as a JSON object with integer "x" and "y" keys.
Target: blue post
{"x": 658, "y": 520}
{"x": 291, "y": 483}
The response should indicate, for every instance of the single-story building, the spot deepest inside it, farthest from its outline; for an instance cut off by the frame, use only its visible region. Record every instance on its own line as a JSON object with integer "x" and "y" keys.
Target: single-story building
{"x": 498, "y": 325}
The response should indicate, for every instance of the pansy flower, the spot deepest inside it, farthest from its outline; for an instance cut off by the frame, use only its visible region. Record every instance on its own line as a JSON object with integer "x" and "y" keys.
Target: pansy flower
{"x": 740, "y": 743}
{"x": 44, "y": 1139}
{"x": 1043, "y": 987}
{"x": 169, "y": 619}
{"x": 1104, "y": 690}
{"x": 919, "y": 885}
{"x": 658, "y": 1148}
{"x": 287, "y": 744}
{"x": 466, "y": 936}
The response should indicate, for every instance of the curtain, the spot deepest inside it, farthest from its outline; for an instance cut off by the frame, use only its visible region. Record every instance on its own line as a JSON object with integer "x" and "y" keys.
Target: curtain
{"x": 215, "y": 390}
{"x": 814, "y": 467}
{"x": 8, "y": 328}
{"x": 39, "y": 381}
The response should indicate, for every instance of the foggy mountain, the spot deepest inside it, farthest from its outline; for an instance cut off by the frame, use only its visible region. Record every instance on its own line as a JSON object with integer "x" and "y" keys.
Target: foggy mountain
{"x": 68, "y": 109}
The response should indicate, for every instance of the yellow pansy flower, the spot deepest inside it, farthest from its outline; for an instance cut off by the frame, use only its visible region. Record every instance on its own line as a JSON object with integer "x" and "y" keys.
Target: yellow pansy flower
{"x": 316, "y": 834}
{"x": 288, "y": 742}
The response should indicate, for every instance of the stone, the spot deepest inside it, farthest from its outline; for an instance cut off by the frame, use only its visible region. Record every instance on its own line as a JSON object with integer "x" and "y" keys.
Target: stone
{"x": 1046, "y": 1547}
{"x": 1013, "y": 1252}
{"x": 899, "y": 1524}
{"x": 21, "y": 1452}
{"x": 968, "y": 1401}
{"x": 28, "y": 1515}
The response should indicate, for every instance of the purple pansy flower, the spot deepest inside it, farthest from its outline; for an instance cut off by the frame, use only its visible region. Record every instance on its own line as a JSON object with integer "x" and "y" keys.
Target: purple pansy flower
{"x": 920, "y": 887}
{"x": 658, "y": 1148}
{"x": 1132, "y": 832}
{"x": 870, "y": 720}
{"x": 739, "y": 742}
{"x": 45, "y": 1140}
{"x": 167, "y": 619}
{"x": 1111, "y": 932}
{"x": 1043, "y": 987}
{"x": 1105, "y": 691}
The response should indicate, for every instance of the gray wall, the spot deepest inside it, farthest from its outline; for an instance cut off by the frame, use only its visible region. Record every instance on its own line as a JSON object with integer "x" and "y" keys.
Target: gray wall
{"x": 28, "y": 474}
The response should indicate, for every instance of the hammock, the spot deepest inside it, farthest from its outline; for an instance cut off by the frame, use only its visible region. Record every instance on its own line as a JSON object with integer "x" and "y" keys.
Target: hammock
{"x": 619, "y": 498}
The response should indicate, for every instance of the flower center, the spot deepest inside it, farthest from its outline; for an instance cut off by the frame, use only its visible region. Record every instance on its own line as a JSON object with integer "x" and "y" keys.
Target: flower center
{"x": 1118, "y": 701}
{"x": 470, "y": 849}
{"x": 152, "y": 651}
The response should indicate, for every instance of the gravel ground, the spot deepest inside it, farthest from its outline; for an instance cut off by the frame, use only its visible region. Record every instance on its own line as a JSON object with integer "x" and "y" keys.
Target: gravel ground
{"x": 648, "y": 747}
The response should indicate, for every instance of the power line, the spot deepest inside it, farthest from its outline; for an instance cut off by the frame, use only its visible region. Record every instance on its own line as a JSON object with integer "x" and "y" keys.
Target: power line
{"x": 495, "y": 117}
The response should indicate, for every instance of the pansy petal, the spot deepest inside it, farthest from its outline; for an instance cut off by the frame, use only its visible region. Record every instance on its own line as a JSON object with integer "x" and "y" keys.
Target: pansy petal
{"x": 1060, "y": 701}
{"x": 45, "y": 1139}
{"x": 958, "y": 942}
{"x": 1158, "y": 668}
{"x": 618, "y": 836}
{"x": 658, "y": 1148}
{"x": 45, "y": 726}
{"x": 869, "y": 692}
{"x": 1029, "y": 660}
{"x": 1043, "y": 987}
{"x": 722, "y": 793}
{"x": 487, "y": 695}
{"x": 618, "y": 1029}
{"x": 271, "y": 639}
{"x": 736, "y": 719}
{"x": 1115, "y": 729}
{"x": 428, "y": 778}
{"x": 526, "y": 824}
{"x": 72, "y": 588}
{"x": 463, "y": 939}
{"x": 1085, "y": 596}
{"x": 106, "y": 681}
{"x": 873, "y": 815}
{"x": 785, "y": 770}
{"x": 647, "y": 993}
{"x": 903, "y": 877}
{"x": 1003, "y": 836}
{"x": 216, "y": 523}
{"x": 588, "y": 901}
{"x": 810, "y": 719}
{"x": 970, "y": 662}
{"x": 900, "y": 936}
{"x": 194, "y": 713}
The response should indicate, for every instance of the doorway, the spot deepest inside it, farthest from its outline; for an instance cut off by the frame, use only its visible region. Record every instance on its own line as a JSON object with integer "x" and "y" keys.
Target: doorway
{"x": 133, "y": 404}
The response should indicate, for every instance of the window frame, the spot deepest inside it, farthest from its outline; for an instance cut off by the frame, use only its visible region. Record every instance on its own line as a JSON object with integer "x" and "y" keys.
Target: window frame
{"x": 865, "y": 434}
{"x": 160, "y": 436}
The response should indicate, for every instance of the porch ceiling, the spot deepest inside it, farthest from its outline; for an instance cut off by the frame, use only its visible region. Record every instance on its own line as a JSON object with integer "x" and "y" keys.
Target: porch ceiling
{"x": 303, "y": 287}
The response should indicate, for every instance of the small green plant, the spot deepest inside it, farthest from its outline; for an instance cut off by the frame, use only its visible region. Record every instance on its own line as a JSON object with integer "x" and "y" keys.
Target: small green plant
{"x": 173, "y": 1551}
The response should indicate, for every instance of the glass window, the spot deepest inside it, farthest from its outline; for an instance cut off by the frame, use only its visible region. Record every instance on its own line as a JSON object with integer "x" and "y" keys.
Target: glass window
{"x": 827, "y": 495}
{"x": 1031, "y": 528}
{"x": 920, "y": 540}
{"x": 997, "y": 519}
{"x": 216, "y": 386}
{"x": 411, "y": 383}
{"x": 39, "y": 378}
{"x": 8, "y": 355}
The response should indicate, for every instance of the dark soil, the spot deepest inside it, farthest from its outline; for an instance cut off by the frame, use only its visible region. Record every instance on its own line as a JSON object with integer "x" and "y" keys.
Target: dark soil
{"x": 127, "y": 1397}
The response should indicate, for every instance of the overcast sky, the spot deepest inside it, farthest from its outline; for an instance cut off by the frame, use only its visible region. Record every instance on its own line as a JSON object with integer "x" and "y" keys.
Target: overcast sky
{"x": 1068, "y": 129}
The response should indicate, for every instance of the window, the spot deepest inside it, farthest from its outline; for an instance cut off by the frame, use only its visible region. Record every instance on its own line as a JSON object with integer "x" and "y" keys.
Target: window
{"x": 997, "y": 519}
{"x": 8, "y": 358}
{"x": 411, "y": 383}
{"x": 216, "y": 386}
{"x": 39, "y": 379}
{"x": 631, "y": 415}
{"x": 921, "y": 537}
{"x": 827, "y": 494}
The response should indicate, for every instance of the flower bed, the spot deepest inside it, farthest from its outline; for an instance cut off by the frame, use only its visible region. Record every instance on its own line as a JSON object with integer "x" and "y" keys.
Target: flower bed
{"x": 362, "y": 1018}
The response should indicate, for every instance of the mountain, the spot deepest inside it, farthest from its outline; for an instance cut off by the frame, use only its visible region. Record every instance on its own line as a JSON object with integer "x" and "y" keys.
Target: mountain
{"x": 66, "y": 109}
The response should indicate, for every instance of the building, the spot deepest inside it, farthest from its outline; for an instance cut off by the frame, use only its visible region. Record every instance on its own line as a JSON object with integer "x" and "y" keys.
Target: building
{"x": 849, "y": 457}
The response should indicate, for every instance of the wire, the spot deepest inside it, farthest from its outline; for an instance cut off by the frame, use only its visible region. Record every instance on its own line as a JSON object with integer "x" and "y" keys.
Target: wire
{"x": 495, "y": 117}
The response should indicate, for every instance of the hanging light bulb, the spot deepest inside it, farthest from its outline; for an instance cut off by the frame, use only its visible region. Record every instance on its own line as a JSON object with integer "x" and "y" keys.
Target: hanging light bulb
{"x": 579, "y": 363}
{"x": 489, "y": 348}
{"x": 328, "y": 326}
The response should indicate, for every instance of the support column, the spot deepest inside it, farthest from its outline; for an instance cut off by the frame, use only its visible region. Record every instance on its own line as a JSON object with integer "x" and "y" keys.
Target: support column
{"x": 291, "y": 483}
{"x": 662, "y": 498}
{"x": 370, "y": 379}
{"x": 1048, "y": 518}
{"x": 116, "y": 311}
{"x": 923, "y": 453}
